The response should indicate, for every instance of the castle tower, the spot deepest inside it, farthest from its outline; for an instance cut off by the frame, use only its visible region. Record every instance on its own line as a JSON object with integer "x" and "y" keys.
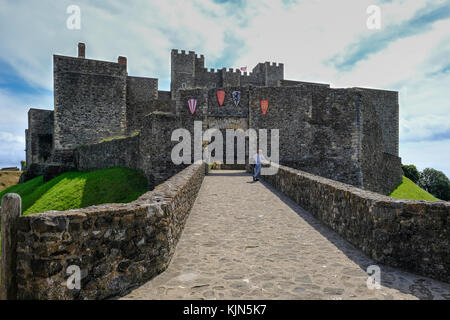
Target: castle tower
{"x": 182, "y": 70}
{"x": 273, "y": 73}
{"x": 90, "y": 99}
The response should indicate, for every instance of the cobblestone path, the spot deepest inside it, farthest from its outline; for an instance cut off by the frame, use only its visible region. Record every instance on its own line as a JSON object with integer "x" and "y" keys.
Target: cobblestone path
{"x": 245, "y": 240}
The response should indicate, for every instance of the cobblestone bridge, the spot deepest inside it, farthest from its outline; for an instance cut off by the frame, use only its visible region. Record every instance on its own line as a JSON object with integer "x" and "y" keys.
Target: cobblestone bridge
{"x": 245, "y": 240}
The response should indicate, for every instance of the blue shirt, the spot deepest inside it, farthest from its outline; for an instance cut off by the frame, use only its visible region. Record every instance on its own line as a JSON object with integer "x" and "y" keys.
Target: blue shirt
{"x": 258, "y": 158}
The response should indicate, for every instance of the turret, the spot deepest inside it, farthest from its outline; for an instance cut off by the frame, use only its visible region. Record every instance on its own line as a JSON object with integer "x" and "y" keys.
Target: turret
{"x": 182, "y": 70}
{"x": 273, "y": 73}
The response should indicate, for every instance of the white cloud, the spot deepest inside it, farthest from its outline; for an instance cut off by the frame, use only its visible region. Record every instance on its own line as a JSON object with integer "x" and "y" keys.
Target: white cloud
{"x": 12, "y": 149}
{"x": 10, "y": 138}
{"x": 14, "y": 121}
{"x": 14, "y": 109}
{"x": 424, "y": 128}
{"x": 143, "y": 31}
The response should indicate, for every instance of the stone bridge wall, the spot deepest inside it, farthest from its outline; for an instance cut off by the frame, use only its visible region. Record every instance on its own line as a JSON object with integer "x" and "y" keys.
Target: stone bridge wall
{"x": 413, "y": 235}
{"x": 116, "y": 246}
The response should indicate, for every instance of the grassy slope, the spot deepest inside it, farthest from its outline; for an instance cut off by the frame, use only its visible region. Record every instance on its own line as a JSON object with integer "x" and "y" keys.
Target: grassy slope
{"x": 409, "y": 190}
{"x": 9, "y": 178}
{"x": 80, "y": 189}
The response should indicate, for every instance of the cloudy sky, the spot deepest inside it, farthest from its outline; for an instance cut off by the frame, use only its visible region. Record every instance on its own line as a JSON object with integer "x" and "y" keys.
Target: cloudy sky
{"x": 320, "y": 41}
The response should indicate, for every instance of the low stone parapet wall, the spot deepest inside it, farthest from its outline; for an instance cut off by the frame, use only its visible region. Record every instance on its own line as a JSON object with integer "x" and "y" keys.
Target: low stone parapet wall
{"x": 114, "y": 153}
{"x": 114, "y": 246}
{"x": 413, "y": 235}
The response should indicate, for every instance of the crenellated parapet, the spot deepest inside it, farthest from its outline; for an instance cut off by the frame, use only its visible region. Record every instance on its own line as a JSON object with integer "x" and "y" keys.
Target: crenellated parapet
{"x": 188, "y": 71}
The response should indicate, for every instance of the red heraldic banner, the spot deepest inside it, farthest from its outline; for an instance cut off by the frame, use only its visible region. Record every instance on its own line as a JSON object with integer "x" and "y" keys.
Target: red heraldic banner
{"x": 192, "y": 105}
{"x": 264, "y": 106}
{"x": 220, "y": 97}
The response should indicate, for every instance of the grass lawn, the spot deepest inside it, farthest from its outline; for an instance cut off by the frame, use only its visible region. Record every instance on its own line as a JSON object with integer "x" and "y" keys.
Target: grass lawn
{"x": 73, "y": 190}
{"x": 409, "y": 190}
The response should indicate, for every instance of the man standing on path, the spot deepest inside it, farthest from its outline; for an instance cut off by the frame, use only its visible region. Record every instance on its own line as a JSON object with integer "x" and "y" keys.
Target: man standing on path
{"x": 258, "y": 158}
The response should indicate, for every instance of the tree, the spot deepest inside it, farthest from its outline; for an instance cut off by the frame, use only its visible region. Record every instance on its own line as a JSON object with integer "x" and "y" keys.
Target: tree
{"x": 410, "y": 171}
{"x": 436, "y": 183}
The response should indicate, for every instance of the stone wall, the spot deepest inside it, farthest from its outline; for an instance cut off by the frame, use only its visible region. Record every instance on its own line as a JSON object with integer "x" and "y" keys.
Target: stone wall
{"x": 228, "y": 109}
{"x": 149, "y": 151}
{"x": 391, "y": 173}
{"x": 411, "y": 235}
{"x": 136, "y": 112}
{"x": 189, "y": 69}
{"x": 290, "y": 83}
{"x": 273, "y": 72}
{"x": 90, "y": 101}
{"x": 38, "y": 143}
{"x": 140, "y": 92}
{"x": 164, "y": 95}
{"x": 114, "y": 153}
{"x": 116, "y": 246}
{"x": 230, "y": 77}
{"x": 205, "y": 78}
{"x": 318, "y": 128}
{"x": 155, "y": 147}
{"x": 211, "y": 114}
{"x": 334, "y": 133}
{"x": 141, "y": 89}
{"x": 387, "y": 108}
{"x": 381, "y": 171}
{"x": 182, "y": 70}
{"x": 39, "y": 136}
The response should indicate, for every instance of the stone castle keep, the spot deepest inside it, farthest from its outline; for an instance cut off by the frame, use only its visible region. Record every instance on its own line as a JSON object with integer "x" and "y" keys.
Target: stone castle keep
{"x": 333, "y": 144}
{"x": 103, "y": 117}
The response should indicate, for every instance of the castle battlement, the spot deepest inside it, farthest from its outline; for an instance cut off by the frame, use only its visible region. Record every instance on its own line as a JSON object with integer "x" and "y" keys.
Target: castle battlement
{"x": 188, "y": 71}
{"x": 275, "y": 64}
{"x": 182, "y": 52}
{"x": 231, "y": 70}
